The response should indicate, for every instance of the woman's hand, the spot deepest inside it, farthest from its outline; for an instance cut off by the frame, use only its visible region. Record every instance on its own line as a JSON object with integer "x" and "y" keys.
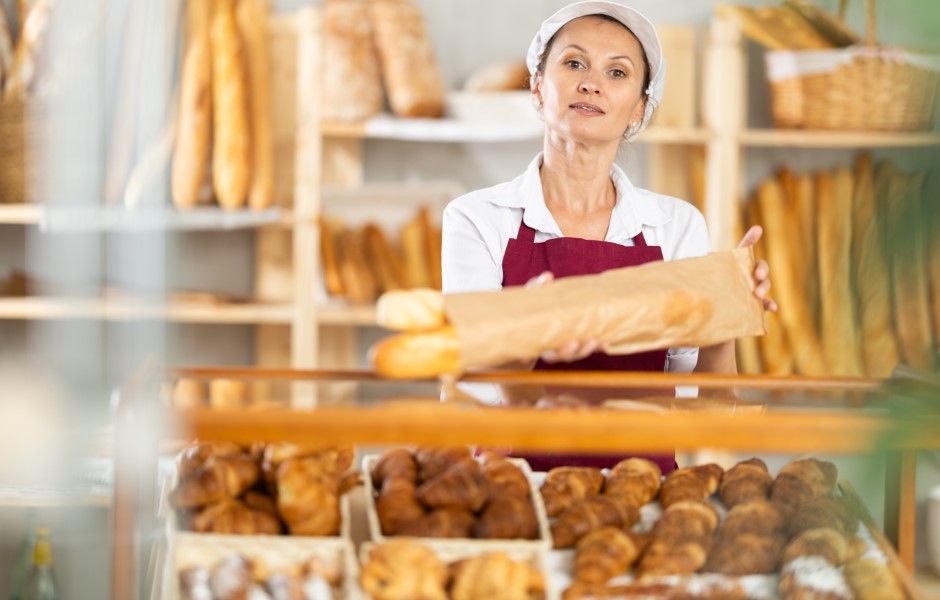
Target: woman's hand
{"x": 761, "y": 270}
{"x": 572, "y": 350}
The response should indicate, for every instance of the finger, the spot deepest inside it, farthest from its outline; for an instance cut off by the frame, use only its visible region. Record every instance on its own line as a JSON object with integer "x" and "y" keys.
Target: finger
{"x": 762, "y": 289}
{"x": 761, "y": 270}
{"x": 586, "y": 349}
{"x": 751, "y": 237}
{"x": 770, "y": 305}
{"x": 543, "y": 278}
{"x": 562, "y": 353}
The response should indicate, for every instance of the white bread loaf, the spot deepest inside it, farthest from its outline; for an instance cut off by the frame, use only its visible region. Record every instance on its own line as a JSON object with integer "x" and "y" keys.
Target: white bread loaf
{"x": 499, "y": 77}
{"x": 352, "y": 78}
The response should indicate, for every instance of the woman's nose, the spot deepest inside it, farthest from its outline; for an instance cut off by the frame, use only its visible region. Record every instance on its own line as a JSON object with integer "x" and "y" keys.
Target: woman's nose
{"x": 588, "y": 87}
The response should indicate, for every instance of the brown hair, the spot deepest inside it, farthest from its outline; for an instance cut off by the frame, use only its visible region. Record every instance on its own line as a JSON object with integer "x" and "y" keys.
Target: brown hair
{"x": 646, "y": 63}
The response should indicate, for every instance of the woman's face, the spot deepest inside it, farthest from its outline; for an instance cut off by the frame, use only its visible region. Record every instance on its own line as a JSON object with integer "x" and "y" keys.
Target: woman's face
{"x": 592, "y": 85}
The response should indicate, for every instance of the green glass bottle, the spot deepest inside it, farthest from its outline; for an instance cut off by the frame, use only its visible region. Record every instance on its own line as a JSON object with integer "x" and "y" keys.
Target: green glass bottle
{"x": 41, "y": 584}
{"x": 23, "y": 565}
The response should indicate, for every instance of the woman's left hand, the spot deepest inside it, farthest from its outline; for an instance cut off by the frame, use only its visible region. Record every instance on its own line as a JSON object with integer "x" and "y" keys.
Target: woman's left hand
{"x": 761, "y": 270}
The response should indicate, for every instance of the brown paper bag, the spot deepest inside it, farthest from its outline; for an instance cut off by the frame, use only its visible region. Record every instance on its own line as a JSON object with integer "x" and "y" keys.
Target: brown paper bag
{"x": 693, "y": 302}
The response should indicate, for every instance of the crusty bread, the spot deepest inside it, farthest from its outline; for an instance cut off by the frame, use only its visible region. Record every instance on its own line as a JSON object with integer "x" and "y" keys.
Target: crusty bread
{"x": 22, "y": 72}
{"x": 834, "y": 230}
{"x": 804, "y": 205}
{"x": 230, "y": 145}
{"x": 352, "y": 80}
{"x": 415, "y": 246}
{"x": 358, "y": 282}
{"x": 409, "y": 67}
{"x": 330, "y": 259}
{"x": 194, "y": 132}
{"x": 252, "y": 18}
{"x": 386, "y": 265}
{"x": 932, "y": 248}
{"x": 499, "y": 77}
{"x": 411, "y": 310}
{"x": 872, "y": 280}
{"x": 417, "y": 355}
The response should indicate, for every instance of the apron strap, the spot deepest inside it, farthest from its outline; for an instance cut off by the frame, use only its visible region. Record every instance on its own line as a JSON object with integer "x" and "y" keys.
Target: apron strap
{"x": 639, "y": 240}
{"x": 526, "y": 233}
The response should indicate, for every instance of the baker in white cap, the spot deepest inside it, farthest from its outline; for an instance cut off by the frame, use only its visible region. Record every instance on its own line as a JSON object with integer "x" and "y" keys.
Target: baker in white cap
{"x": 597, "y": 76}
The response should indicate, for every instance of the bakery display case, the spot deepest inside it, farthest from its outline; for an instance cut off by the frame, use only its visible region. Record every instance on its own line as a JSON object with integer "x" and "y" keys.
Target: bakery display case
{"x": 828, "y": 433}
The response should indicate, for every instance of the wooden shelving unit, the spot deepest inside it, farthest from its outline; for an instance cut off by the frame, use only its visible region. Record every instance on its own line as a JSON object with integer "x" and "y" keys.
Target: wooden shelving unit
{"x": 836, "y": 139}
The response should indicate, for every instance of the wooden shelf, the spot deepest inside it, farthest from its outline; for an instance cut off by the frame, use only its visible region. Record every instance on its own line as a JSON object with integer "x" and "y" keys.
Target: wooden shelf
{"x": 836, "y": 139}
{"x": 12, "y": 497}
{"x": 37, "y": 308}
{"x": 88, "y": 219}
{"x": 363, "y": 315}
{"x": 928, "y": 582}
{"x": 20, "y": 214}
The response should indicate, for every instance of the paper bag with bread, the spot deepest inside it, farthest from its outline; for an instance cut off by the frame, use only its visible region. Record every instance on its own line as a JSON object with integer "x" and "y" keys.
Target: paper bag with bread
{"x": 693, "y": 302}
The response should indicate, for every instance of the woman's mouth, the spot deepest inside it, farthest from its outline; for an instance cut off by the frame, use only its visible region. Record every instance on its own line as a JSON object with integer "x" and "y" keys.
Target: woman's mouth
{"x": 586, "y": 108}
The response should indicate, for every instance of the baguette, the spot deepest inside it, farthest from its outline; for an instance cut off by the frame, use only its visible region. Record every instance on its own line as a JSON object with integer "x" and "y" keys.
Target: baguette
{"x": 411, "y": 310}
{"x": 872, "y": 280}
{"x": 417, "y": 355}
{"x": 832, "y": 29}
{"x": 195, "y": 109}
{"x": 932, "y": 241}
{"x": 352, "y": 78}
{"x": 796, "y": 319}
{"x": 329, "y": 255}
{"x": 6, "y": 47}
{"x": 230, "y": 144}
{"x": 252, "y": 16}
{"x": 433, "y": 242}
{"x": 834, "y": 231}
{"x": 387, "y": 266}
{"x": 912, "y": 320}
{"x": 357, "y": 278}
{"x": 22, "y": 72}
{"x": 414, "y": 249}
{"x": 409, "y": 68}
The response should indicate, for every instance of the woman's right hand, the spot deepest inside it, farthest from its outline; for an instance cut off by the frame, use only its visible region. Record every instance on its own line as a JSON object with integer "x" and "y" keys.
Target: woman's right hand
{"x": 571, "y": 350}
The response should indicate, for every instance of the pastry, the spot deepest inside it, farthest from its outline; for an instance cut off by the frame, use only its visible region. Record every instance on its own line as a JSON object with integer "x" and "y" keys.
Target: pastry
{"x": 636, "y": 481}
{"x": 192, "y": 457}
{"x": 498, "y": 77}
{"x": 495, "y": 576}
{"x": 824, "y": 511}
{"x": 394, "y": 464}
{"x": 219, "y": 478}
{"x": 687, "y": 519}
{"x": 231, "y": 579}
{"x": 359, "y": 284}
{"x": 460, "y": 486}
{"x": 690, "y": 483}
{"x": 745, "y": 554}
{"x": 812, "y": 578}
{"x": 402, "y": 570}
{"x": 824, "y": 542}
{"x": 434, "y": 461}
{"x": 871, "y": 579}
{"x": 507, "y": 517}
{"x": 230, "y": 516}
{"x": 564, "y": 486}
{"x": 329, "y": 257}
{"x": 440, "y": 523}
{"x": 503, "y": 478}
{"x": 746, "y": 481}
{"x": 308, "y": 498}
{"x": 589, "y": 514}
{"x": 604, "y": 554}
{"x": 387, "y": 267}
{"x": 820, "y": 475}
{"x": 757, "y": 516}
{"x": 396, "y": 505}
{"x": 669, "y": 557}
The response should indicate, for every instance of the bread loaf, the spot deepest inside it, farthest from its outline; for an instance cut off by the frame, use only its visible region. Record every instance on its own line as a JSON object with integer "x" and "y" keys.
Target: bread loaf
{"x": 227, "y": 393}
{"x": 796, "y": 317}
{"x": 409, "y": 68}
{"x": 411, "y": 310}
{"x": 358, "y": 282}
{"x": 932, "y": 241}
{"x": 839, "y": 327}
{"x": 22, "y": 72}
{"x": 872, "y": 280}
{"x": 386, "y": 266}
{"x": 499, "y": 77}
{"x": 417, "y": 355}
{"x": 230, "y": 144}
{"x": 193, "y": 133}
{"x": 330, "y": 259}
{"x": 252, "y": 18}
{"x": 415, "y": 246}
{"x": 352, "y": 80}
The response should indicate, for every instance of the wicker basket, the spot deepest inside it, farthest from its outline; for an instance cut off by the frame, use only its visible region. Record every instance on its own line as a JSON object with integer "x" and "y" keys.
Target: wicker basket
{"x": 13, "y": 151}
{"x": 866, "y": 87}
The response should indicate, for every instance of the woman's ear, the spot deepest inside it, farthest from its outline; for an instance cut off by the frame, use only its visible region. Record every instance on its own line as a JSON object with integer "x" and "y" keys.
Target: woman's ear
{"x": 640, "y": 111}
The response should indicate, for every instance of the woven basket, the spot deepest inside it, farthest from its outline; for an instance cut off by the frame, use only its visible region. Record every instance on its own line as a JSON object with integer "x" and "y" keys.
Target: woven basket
{"x": 866, "y": 87}
{"x": 13, "y": 151}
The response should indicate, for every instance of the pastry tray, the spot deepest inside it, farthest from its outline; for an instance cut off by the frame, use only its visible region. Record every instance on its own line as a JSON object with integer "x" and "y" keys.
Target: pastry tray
{"x": 543, "y": 542}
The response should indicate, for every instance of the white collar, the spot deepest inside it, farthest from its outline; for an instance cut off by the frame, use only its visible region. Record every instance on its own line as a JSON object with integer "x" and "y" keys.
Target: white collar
{"x": 632, "y": 211}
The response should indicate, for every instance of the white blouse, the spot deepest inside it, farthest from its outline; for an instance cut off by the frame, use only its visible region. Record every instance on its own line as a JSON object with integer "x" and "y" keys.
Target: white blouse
{"x": 479, "y": 225}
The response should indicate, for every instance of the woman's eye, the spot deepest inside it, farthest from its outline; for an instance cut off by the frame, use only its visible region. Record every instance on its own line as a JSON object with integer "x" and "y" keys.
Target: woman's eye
{"x": 574, "y": 64}
{"x": 618, "y": 73}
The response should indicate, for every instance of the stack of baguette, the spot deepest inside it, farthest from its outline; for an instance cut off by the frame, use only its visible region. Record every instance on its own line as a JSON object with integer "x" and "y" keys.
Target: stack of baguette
{"x": 793, "y": 25}
{"x": 225, "y": 106}
{"x": 266, "y": 489}
{"x": 856, "y": 270}
{"x": 360, "y": 264}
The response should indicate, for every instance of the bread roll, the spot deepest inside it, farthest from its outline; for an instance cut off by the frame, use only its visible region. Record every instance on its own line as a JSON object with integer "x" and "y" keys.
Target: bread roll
{"x": 230, "y": 143}
{"x": 252, "y": 18}
{"x": 409, "y": 67}
{"x": 417, "y": 355}
{"x": 795, "y": 316}
{"x": 352, "y": 80}
{"x": 411, "y": 310}
{"x": 872, "y": 280}
{"x": 912, "y": 319}
{"x": 227, "y": 393}
{"x": 499, "y": 77}
{"x": 193, "y": 133}
{"x": 189, "y": 393}
{"x": 834, "y": 230}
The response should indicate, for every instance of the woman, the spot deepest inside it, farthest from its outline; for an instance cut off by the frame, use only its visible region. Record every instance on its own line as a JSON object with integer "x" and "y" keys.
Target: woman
{"x": 597, "y": 76}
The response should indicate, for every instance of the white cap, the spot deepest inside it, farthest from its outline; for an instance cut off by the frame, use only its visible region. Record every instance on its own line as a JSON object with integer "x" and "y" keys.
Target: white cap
{"x": 636, "y": 22}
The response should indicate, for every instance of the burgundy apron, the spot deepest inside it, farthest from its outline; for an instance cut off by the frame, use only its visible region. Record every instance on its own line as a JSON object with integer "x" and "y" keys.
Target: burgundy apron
{"x": 524, "y": 259}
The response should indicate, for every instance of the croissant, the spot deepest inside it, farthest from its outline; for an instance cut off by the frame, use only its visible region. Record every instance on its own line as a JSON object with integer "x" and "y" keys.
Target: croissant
{"x": 334, "y": 460}
{"x": 824, "y": 542}
{"x": 820, "y": 475}
{"x": 399, "y": 462}
{"x": 307, "y": 498}
{"x": 434, "y": 461}
{"x": 192, "y": 457}
{"x": 634, "y": 480}
{"x": 460, "y": 486}
{"x": 758, "y": 516}
{"x": 665, "y": 557}
{"x": 789, "y": 492}
{"x": 798, "y": 581}
{"x": 508, "y": 517}
{"x": 396, "y": 505}
{"x": 825, "y": 511}
{"x": 870, "y": 579}
{"x": 233, "y": 517}
{"x": 589, "y": 514}
{"x": 495, "y": 575}
{"x": 502, "y": 477}
{"x": 260, "y": 502}
{"x": 690, "y": 483}
{"x": 440, "y": 523}
{"x": 748, "y": 480}
{"x": 219, "y": 478}
{"x": 688, "y": 519}
{"x": 745, "y": 554}
{"x": 402, "y": 570}
{"x": 329, "y": 571}
{"x": 232, "y": 578}
{"x": 566, "y": 485}
{"x": 604, "y": 554}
